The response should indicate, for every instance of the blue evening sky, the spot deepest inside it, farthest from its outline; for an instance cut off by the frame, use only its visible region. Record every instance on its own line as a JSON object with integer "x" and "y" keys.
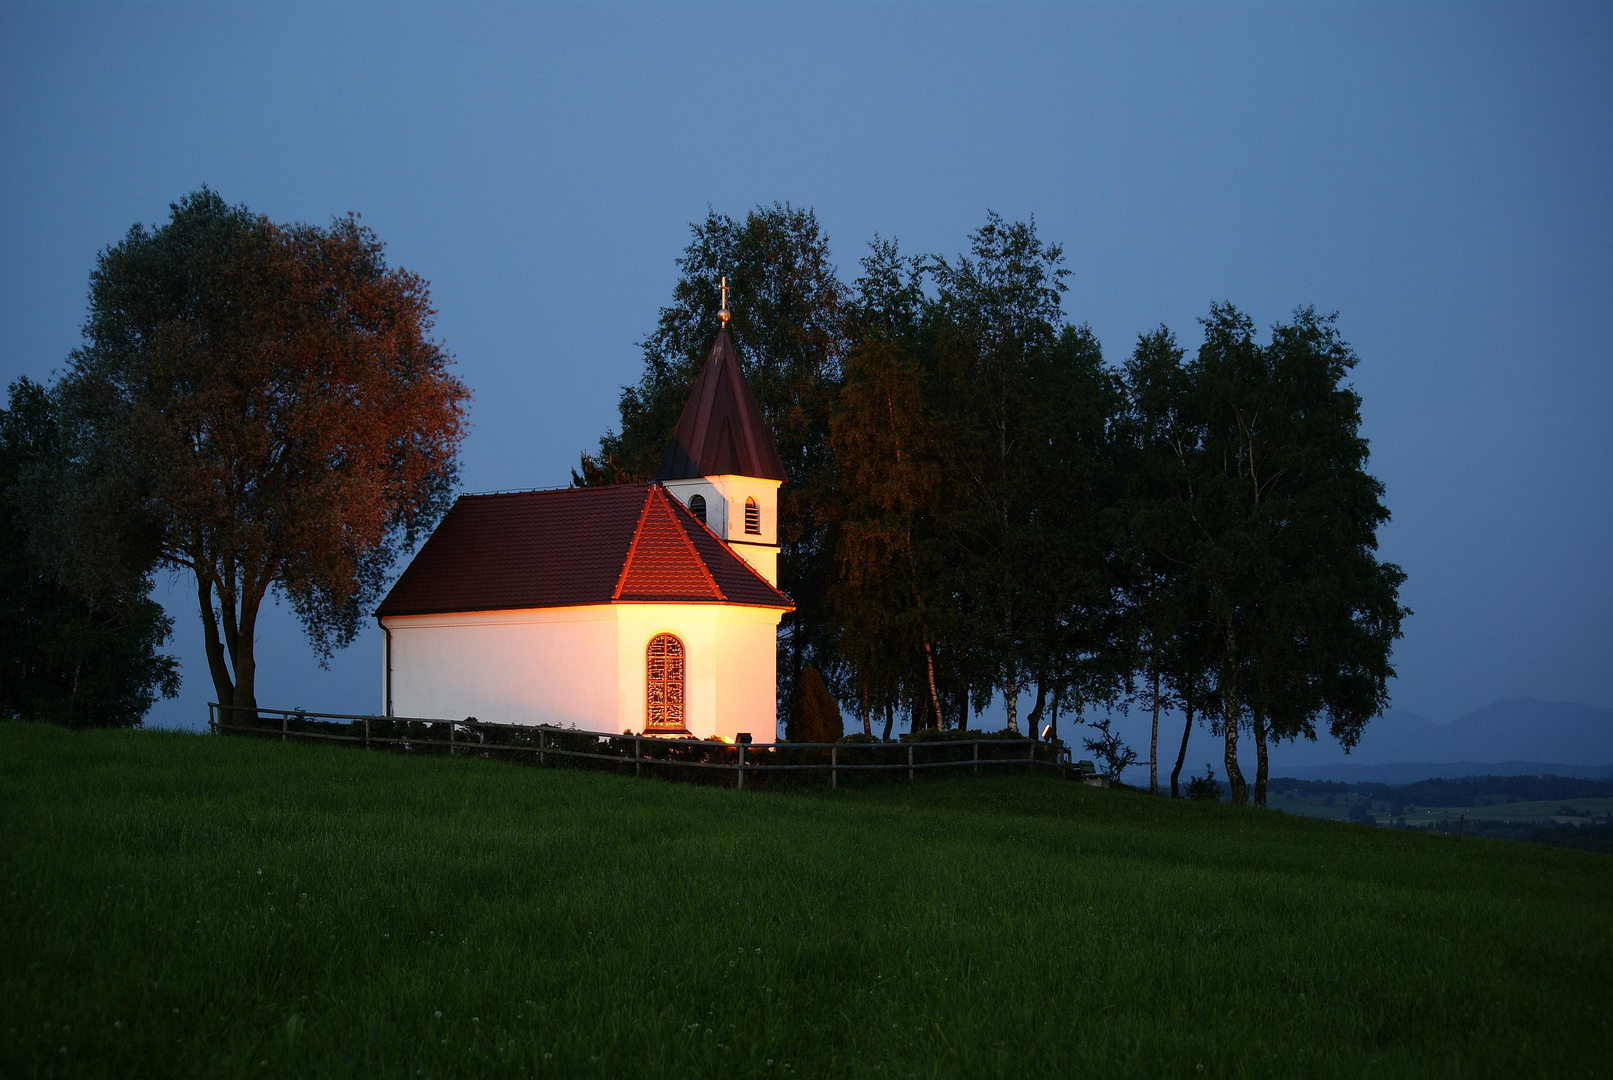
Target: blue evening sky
{"x": 1441, "y": 175}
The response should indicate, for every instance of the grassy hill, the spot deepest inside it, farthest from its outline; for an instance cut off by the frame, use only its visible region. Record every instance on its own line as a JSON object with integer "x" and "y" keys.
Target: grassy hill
{"x": 175, "y": 905}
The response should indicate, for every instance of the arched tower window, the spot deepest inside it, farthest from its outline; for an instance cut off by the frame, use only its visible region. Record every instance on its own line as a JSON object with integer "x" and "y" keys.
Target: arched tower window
{"x": 697, "y": 507}
{"x": 753, "y": 518}
{"x": 664, "y": 684}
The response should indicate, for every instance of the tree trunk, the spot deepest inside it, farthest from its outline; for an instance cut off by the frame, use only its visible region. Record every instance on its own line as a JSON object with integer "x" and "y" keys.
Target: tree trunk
{"x": 890, "y": 719}
{"x": 239, "y": 599}
{"x": 223, "y": 685}
{"x": 1035, "y": 717}
{"x": 1181, "y": 755}
{"x": 797, "y": 654}
{"x": 1229, "y": 722}
{"x": 924, "y": 633}
{"x": 963, "y": 708}
{"x": 1153, "y": 737}
{"x": 929, "y": 672}
{"x": 72, "y": 694}
{"x": 1054, "y": 725}
{"x": 1011, "y": 694}
{"x": 245, "y": 660}
{"x": 1260, "y": 758}
{"x": 867, "y": 728}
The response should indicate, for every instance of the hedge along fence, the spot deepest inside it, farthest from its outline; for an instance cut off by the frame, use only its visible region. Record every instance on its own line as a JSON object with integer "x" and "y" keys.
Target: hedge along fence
{"x": 710, "y": 761}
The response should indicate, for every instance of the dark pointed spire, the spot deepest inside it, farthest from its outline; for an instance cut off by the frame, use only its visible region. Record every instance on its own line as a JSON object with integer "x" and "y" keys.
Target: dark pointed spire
{"x": 721, "y": 430}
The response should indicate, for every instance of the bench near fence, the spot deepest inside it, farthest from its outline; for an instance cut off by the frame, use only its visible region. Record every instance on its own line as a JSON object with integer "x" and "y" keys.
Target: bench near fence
{"x": 676, "y": 758}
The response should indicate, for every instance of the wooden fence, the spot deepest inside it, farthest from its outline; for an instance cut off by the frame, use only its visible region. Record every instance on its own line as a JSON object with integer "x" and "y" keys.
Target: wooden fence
{"x": 676, "y": 758}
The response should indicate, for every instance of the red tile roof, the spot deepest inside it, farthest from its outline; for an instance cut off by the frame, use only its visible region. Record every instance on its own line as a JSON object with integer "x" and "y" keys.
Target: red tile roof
{"x": 721, "y": 431}
{"x": 631, "y": 543}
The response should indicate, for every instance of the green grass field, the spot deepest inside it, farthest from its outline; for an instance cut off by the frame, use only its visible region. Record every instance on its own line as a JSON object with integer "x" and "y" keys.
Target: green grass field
{"x": 179, "y": 905}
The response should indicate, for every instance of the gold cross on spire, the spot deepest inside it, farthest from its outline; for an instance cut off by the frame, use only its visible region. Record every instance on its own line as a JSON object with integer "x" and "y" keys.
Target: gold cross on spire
{"x": 723, "y": 312}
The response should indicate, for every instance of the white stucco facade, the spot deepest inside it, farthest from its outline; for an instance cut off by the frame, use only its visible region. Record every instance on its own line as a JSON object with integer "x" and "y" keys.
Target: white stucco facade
{"x": 584, "y": 666}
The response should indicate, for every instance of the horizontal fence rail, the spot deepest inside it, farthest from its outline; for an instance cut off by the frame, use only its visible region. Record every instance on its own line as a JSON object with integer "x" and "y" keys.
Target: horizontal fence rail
{"x": 677, "y": 758}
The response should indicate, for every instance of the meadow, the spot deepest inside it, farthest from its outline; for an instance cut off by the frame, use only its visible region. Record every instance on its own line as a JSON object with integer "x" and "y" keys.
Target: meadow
{"x": 1561, "y": 812}
{"x": 179, "y": 905}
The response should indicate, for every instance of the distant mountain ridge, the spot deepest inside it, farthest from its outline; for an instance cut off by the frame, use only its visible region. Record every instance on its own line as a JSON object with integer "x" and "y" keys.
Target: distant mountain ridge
{"x": 1517, "y": 732}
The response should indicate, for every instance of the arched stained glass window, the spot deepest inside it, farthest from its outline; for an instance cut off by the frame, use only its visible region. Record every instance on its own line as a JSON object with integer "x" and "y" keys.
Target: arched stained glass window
{"x": 664, "y": 684}
{"x": 753, "y": 518}
{"x": 697, "y": 507}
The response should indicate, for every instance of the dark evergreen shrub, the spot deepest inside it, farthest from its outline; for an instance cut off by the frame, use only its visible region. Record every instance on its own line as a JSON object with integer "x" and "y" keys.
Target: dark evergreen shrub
{"x": 814, "y": 715}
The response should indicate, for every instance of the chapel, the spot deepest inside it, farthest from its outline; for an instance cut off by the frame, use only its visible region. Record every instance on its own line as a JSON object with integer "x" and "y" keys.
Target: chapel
{"x": 651, "y": 607}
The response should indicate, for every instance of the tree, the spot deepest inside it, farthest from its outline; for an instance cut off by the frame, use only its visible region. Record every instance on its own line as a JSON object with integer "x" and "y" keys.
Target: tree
{"x": 85, "y": 654}
{"x": 1070, "y": 607}
{"x": 1109, "y": 748}
{"x": 788, "y": 327}
{"x": 996, "y": 309}
{"x": 261, "y": 406}
{"x": 1325, "y": 631}
{"x": 1167, "y": 629}
{"x": 1283, "y": 527}
{"x": 1231, "y": 486}
{"x": 889, "y": 597}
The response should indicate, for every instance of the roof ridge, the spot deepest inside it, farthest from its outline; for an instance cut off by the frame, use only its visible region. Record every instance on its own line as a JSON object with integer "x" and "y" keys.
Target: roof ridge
{"x": 547, "y": 490}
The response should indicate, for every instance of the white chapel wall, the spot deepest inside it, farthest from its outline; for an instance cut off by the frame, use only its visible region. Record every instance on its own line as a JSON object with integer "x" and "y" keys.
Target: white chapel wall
{"x": 585, "y": 666}
{"x": 546, "y": 666}
{"x": 730, "y": 659}
{"x": 747, "y": 697}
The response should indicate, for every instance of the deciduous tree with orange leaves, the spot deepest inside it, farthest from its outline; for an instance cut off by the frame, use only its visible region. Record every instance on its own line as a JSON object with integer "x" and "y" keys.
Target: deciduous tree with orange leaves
{"x": 261, "y": 406}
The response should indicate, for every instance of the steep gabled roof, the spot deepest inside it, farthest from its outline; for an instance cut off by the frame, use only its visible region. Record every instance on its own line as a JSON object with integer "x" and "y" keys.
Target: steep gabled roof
{"x": 721, "y": 430}
{"x": 631, "y": 543}
{"x": 661, "y": 562}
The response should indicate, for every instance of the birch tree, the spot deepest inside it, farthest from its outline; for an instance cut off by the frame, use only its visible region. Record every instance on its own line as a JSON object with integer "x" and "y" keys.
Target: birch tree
{"x": 997, "y": 308}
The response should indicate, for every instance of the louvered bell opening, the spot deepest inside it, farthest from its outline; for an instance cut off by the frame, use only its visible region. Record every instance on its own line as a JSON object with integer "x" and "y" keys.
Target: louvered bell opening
{"x": 753, "y": 518}
{"x": 697, "y": 507}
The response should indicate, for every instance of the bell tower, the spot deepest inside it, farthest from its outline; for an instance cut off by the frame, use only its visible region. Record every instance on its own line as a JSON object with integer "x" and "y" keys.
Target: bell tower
{"x": 722, "y": 463}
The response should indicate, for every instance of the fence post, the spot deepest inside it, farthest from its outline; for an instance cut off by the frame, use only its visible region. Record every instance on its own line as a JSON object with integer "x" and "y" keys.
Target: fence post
{"x": 635, "y": 756}
{"x": 741, "y": 781}
{"x": 366, "y": 733}
{"x": 212, "y": 724}
{"x": 451, "y": 726}
{"x": 541, "y": 736}
{"x": 977, "y": 757}
{"x": 282, "y": 727}
{"x": 834, "y": 767}
{"x": 909, "y": 763}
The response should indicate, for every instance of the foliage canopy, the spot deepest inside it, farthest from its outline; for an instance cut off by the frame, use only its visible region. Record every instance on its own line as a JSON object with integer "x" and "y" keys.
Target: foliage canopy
{"x": 261, "y": 406}
{"x": 978, "y": 504}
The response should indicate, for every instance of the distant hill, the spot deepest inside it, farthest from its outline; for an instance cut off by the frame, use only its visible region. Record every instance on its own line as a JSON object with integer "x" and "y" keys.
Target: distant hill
{"x": 1524, "y": 734}
{"x": 1409, "y": 772}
